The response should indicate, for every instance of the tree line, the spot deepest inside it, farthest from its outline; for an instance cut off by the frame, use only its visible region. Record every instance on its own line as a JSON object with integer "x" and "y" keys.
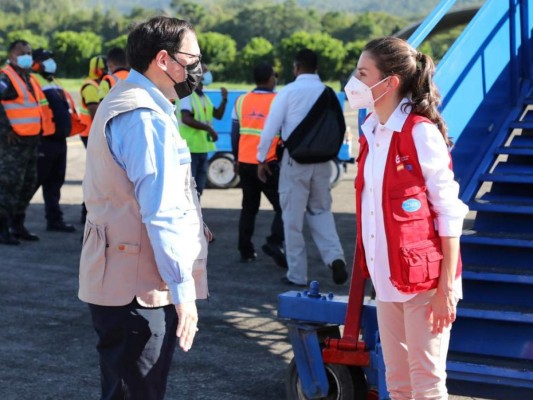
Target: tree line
{"x": 232, "y": 38}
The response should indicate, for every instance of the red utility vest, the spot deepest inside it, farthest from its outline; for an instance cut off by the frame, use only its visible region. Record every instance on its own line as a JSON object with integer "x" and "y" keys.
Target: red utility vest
{"x": 413, "y": 243}
{"x": 28, "y": 114}
{"x": 252, "y": 109}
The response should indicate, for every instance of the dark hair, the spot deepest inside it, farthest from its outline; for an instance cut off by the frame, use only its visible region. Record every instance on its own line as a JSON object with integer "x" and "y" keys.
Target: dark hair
{"x": 41, "y": 54}
{"x": 150, "y": 37}
{"x": 307, "y": 59}
{"x": 117, "y": 56}
{"x": 262, "y": 73}
{"x": 15, "y": 43}
{"x": 394, "y": 56}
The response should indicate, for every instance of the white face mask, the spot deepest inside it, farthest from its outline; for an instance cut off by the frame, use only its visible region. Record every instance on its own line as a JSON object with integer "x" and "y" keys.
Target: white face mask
{"x": 50, "y": 66}
{"x": 360, "y": 95}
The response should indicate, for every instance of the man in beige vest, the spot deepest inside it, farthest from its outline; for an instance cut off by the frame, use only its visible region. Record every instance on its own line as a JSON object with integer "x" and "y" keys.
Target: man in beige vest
{"x": 144, "y": 249}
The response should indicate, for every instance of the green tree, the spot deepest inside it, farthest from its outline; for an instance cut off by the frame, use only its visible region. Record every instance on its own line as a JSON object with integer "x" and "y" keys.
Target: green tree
{"x": 257, "y": 50}
{"x": 218, "y": 51}
{"x": 116, "y": 42}
{"x": 73, "y": 50}
{"x": 34, "y": 40}
{"x": 330, "y": 51}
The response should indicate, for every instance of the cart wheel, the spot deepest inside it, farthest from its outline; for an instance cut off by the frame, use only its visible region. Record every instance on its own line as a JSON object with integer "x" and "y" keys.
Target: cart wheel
{"x": 345, "y": 383}
{"x": 336, "y": 173}
{"x": 220, "y": 174}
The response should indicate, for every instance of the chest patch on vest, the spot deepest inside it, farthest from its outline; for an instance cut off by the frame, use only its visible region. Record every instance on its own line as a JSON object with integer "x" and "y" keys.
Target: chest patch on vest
{"x": 411, "y": 205}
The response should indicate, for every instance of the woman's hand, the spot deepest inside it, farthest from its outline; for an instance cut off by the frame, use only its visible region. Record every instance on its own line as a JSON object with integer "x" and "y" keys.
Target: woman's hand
{"x": 441, "y": 310}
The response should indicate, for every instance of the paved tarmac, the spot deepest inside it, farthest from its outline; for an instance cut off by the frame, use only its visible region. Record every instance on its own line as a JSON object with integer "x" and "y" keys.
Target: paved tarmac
{"x": 241, "y": 351}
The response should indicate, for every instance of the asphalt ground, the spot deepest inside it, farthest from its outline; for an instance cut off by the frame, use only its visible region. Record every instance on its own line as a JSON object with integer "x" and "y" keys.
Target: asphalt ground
{"x": 241, "y": 352}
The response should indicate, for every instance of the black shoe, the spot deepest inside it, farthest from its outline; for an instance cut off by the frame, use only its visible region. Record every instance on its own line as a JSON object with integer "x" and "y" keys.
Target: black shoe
{"x": 24, "y": 234}
{"x": 60, "y": 227}
{"x": 247, "y": 258}
{"x": 286, "y": 281}
{"x": 338, "y": 269}
{"x": 7, "y": 238}
{"x": 277, "y": 254}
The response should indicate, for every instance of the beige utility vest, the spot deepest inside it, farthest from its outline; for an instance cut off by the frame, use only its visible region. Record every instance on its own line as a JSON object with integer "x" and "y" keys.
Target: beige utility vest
{"x": 117, "y": 260}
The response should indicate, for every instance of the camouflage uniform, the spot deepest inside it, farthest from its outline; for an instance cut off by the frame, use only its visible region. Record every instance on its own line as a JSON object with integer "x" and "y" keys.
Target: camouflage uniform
{"x": 18, "y": 160}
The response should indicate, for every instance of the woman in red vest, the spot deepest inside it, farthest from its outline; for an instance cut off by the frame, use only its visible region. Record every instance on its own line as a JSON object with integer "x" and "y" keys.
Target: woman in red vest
{"x": 409, "y": 215}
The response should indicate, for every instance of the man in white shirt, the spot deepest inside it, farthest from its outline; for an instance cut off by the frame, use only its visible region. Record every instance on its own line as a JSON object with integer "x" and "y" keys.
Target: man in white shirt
{"x": 303, "y": 188}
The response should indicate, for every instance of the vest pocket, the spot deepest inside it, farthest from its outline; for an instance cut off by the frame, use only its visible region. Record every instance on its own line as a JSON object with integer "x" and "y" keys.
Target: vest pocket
{"x": 93, "y": 252}
{"x": 422, "y": 260}
{"x": 409, "y": 203}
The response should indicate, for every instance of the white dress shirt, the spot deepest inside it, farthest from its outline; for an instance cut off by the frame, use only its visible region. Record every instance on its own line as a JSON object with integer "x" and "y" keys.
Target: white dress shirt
{"x": 442, "y": 193}
{"x": 289, "y": 108}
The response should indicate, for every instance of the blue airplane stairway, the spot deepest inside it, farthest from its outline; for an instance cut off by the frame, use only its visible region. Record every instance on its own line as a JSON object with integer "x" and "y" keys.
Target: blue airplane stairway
{"x": 492, "y": 340}
{"x": 485, "y": 82}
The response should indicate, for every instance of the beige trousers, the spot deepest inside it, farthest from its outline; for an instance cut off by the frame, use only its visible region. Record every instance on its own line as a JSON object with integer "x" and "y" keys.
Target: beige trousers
{"x": 415, "y": 358}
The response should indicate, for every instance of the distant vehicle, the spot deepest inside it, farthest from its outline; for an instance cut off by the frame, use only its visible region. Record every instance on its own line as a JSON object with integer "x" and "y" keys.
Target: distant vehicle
{"x": 220, "y": 174}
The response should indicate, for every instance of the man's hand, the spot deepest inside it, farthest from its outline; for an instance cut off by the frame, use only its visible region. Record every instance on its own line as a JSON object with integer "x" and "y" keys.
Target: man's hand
{"x": 224, "y": 93}
{"x": 12, "y": 138}
{"x": 263, "y": 171}
{"x": 208, "y": 234}
{"x": 441, "y": 311}
{"x": 187, "y": 320}
{"x": 213, "y": 134}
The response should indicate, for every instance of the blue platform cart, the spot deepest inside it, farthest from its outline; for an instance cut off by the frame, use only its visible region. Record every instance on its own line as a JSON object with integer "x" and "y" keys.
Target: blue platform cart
{"x": 220, "y": 173}
{"x": 485, "y": 80}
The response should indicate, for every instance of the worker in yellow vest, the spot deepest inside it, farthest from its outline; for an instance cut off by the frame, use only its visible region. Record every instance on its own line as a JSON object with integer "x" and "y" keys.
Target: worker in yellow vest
{"x": 119, "y": 69}
{"x": 90, "y": 97}
{"x": 249, "y": 115}
{"x": 195, "y": 115}
{"x": 24, "y": 117}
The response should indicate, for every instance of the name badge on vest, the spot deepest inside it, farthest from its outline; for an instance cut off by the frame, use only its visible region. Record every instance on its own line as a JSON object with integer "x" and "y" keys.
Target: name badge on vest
{"x": 411, "y": 205}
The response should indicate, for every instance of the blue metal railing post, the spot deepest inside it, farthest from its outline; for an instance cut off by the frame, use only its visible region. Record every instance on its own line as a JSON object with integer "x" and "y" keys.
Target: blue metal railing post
{"x": 527, "y": 65}
{"x": 430, "y": 22}
{"x": 513, "y": 60}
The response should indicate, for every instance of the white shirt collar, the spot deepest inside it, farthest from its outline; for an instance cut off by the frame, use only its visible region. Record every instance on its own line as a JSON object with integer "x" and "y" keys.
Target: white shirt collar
{"x": 394, "y": 123}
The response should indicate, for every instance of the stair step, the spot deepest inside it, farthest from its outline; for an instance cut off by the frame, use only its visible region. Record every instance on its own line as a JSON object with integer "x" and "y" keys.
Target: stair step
{"x": 514, "y": 207}
{"x": 515, "y": 151}
{"x": 512, "y": 168}
{"x": 492, "y": 274}
{"x": 506, "y": 199}
{"x": 521, "y": 125}
{"x": 507, "y": 178}
{"x": 498, "y": 239}
{"x": 495, "y": 312}
{"x": 506, "y": 371}
{"x": 524, "y": 141}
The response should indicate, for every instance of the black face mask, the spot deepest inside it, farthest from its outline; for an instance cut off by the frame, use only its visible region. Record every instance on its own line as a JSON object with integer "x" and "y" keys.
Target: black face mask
{"x": 194, "y": 77}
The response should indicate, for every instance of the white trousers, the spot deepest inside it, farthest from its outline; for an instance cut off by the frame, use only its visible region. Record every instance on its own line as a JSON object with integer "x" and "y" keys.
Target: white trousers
{"x": 415, "y": 358}
{"x": 304, "y": 192}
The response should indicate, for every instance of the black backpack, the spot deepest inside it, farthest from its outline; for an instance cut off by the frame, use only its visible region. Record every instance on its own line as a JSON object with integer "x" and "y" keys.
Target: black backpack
{"x": 318, "y": 138}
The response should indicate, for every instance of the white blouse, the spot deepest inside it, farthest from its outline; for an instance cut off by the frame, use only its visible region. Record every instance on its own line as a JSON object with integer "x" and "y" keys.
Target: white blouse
{"x": 442, "y": 190}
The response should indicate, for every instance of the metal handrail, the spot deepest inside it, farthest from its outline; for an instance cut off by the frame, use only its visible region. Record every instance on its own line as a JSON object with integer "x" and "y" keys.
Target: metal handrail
{"x": 430, "y": 22}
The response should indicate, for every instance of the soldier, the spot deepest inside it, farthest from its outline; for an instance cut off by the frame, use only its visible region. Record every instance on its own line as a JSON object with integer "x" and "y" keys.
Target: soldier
{"x": 24, "y": 116}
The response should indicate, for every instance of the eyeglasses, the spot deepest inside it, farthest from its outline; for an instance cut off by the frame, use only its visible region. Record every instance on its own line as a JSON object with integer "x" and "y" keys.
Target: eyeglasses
{"x": 191, "y": 55}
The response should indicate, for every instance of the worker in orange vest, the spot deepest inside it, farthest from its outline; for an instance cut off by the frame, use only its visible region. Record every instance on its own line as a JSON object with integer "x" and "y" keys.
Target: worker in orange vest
{"x": 117, "y": 65}
{"x": 249, "y": 115}
{"x": 24, "y": 117}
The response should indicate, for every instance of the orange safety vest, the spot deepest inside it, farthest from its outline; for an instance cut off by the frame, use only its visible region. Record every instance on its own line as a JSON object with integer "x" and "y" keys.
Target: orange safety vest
{"x": 112, "y": 79}
{"x": 85, "y": 115}
{"x": 28, "y": 114}
{"x": 77, "y": 125}
{"x": 252, "y": 109}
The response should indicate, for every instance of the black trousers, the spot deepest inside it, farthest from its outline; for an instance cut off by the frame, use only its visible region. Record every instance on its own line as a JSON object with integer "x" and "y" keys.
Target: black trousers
{"x": 252, "y": 188}
{"x": 51, "y": 169}
{"x": 135, "y": 345}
